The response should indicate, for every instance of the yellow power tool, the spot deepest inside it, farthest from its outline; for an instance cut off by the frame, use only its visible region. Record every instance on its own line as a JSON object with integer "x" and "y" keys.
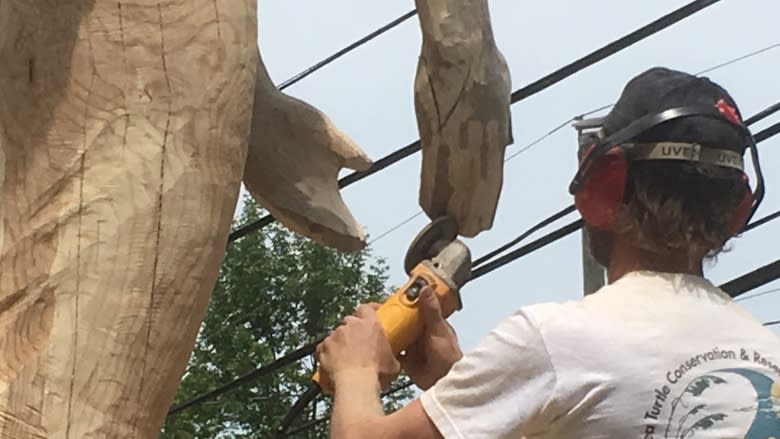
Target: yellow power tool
{"x": 434, "y": 258}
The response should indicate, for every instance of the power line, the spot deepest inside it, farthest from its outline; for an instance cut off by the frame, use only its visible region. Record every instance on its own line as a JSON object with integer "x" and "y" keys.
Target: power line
{"x": 763, "y": 114}
{"x": 555, "y": 217}
{"x": 722, "y": 65}
{"x": 767, "y": 132}
{"x": 762, "y": 221}
{"x": 526, "y": 249}
{"x": 289, "y": 358}
{"x": 752, "y": 280}
{"x": 396, "y": 227}
{"x": 753, "y": 296}
{"x": 740, "y": 58}
{"x": 776, "y": 322}
{"x": 522, "y": 93}
{"x": 612, "y": 48}
{"x": 347, "y": 49}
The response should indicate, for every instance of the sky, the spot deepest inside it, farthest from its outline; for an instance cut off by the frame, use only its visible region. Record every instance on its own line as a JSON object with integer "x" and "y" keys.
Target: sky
{"x": 369, "y": 95}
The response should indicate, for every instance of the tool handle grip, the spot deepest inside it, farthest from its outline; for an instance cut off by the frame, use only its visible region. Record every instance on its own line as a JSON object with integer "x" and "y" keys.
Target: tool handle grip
{"x": 400, "y": 316}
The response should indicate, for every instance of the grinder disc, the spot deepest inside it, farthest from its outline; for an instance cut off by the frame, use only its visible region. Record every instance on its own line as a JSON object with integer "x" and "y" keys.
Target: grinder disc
{"x": 437, "y": 234}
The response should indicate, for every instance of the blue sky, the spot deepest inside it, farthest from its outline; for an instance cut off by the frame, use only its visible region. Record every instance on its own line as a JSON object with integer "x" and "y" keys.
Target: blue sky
{"x": 369, "y": 95}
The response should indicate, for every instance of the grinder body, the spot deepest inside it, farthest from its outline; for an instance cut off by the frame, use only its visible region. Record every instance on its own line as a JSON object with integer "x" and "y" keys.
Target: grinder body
{"x": 399, "y": 315}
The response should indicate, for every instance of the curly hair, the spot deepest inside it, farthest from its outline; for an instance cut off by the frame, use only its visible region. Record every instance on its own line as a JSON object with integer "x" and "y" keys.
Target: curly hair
{"x": 680, "y": 207}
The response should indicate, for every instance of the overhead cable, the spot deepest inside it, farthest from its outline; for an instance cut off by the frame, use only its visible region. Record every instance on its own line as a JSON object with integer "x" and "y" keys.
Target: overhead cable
{"x": 289, "y": 358}
{"x": 740, "y": 58}
{"x": 771, "y": 217}
{"x": 752, "y": 280}
{"x": 612, "y": 48}
{"x": 555, "y": 217}
{"x": 524, "y": 92}
{"x": 347, "y": 49}
{"x": 753, "y": 296}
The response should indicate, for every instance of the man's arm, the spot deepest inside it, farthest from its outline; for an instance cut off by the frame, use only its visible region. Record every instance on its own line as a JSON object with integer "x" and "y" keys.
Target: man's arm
{"x": 358, "y": 360}
{"x": 358, "y": 413}
{"x": 506, "y": 384}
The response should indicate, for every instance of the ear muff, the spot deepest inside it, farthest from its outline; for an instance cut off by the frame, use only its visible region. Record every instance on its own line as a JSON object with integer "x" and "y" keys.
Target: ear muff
{"x": 601, "y": 195}
{"x": 744, "y": 209}
{"x": 600, "y": 182}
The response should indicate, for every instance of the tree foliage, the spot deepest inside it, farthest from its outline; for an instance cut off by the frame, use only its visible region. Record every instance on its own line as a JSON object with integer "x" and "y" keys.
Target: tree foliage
{"x": 276, "y": 291}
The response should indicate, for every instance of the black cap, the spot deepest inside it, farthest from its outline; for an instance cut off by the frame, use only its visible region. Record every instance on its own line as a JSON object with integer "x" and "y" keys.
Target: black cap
{"x": 659, "y": 89}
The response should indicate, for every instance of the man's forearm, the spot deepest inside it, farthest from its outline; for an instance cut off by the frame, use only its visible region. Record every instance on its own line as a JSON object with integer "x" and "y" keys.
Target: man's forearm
{"x": 357, "y": 407}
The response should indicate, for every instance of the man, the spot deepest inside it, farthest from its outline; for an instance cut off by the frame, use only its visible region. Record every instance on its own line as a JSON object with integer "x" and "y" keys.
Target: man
{"x": 660, "y": 352}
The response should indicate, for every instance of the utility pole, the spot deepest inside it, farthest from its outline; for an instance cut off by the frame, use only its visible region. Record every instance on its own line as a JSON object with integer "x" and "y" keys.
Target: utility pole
{"x": 593, "y": 273}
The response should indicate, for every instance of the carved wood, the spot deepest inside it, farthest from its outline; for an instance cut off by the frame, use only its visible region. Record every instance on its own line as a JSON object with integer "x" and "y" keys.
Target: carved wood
{"x": 295, "y": 155}
{"x": 462, "y": 98}
{"x": 123, "y": 129}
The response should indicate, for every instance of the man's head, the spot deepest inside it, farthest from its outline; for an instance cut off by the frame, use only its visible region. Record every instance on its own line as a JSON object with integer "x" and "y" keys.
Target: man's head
{"x": 674, "y": 210}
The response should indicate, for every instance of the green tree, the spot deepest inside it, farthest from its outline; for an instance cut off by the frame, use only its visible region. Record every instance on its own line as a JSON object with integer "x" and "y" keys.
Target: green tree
{"x": 276, "y": 291}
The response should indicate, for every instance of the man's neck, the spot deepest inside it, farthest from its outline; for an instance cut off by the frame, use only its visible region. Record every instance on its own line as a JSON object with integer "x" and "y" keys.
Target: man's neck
{"x": 625, "y": 259}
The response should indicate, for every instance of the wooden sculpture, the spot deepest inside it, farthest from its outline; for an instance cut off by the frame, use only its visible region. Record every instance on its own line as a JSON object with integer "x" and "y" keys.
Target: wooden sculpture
{"x": 462, "y": 98}
{"x": 295, "y": 155}
{"x": 123, "y": 132}
{"x": 126, "y": 128}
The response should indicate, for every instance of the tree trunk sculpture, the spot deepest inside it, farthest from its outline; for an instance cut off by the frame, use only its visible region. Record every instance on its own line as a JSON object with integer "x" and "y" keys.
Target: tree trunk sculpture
{"x": 123, "y": 133}
{"x": 462, "y": 98}
{"x": 126, "y": 128}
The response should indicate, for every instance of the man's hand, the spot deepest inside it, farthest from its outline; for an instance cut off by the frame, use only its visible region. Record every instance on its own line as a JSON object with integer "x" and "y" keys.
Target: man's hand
{"x": 432, "y": 355}
{"x": 358, "y": 346}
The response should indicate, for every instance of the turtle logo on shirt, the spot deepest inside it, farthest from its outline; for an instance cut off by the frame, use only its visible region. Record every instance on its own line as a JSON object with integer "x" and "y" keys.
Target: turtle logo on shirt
{"x": 742, "y": 401}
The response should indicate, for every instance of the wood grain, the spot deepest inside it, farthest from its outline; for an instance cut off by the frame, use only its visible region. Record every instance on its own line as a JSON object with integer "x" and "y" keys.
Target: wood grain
{"x": 123, "y": 129}
{"x": 295, "y": 155}
{"x": 462, "y": 98}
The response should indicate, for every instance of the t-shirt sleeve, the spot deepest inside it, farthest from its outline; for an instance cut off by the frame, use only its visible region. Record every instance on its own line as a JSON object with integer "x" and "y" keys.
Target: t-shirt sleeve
{"x": 502, "y": 388}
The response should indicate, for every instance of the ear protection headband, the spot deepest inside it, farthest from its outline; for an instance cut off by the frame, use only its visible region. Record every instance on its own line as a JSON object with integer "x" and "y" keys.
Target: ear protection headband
{"x": 599, "y": 185}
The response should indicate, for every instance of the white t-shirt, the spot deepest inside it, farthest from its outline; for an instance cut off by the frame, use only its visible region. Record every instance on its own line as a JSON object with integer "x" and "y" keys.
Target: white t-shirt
{"x": 650, "y": 356}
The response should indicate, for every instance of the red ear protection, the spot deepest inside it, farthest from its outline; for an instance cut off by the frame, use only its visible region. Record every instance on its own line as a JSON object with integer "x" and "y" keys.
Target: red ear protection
{"x": 600, "y": 183}
{"x": 602, "y": 192}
